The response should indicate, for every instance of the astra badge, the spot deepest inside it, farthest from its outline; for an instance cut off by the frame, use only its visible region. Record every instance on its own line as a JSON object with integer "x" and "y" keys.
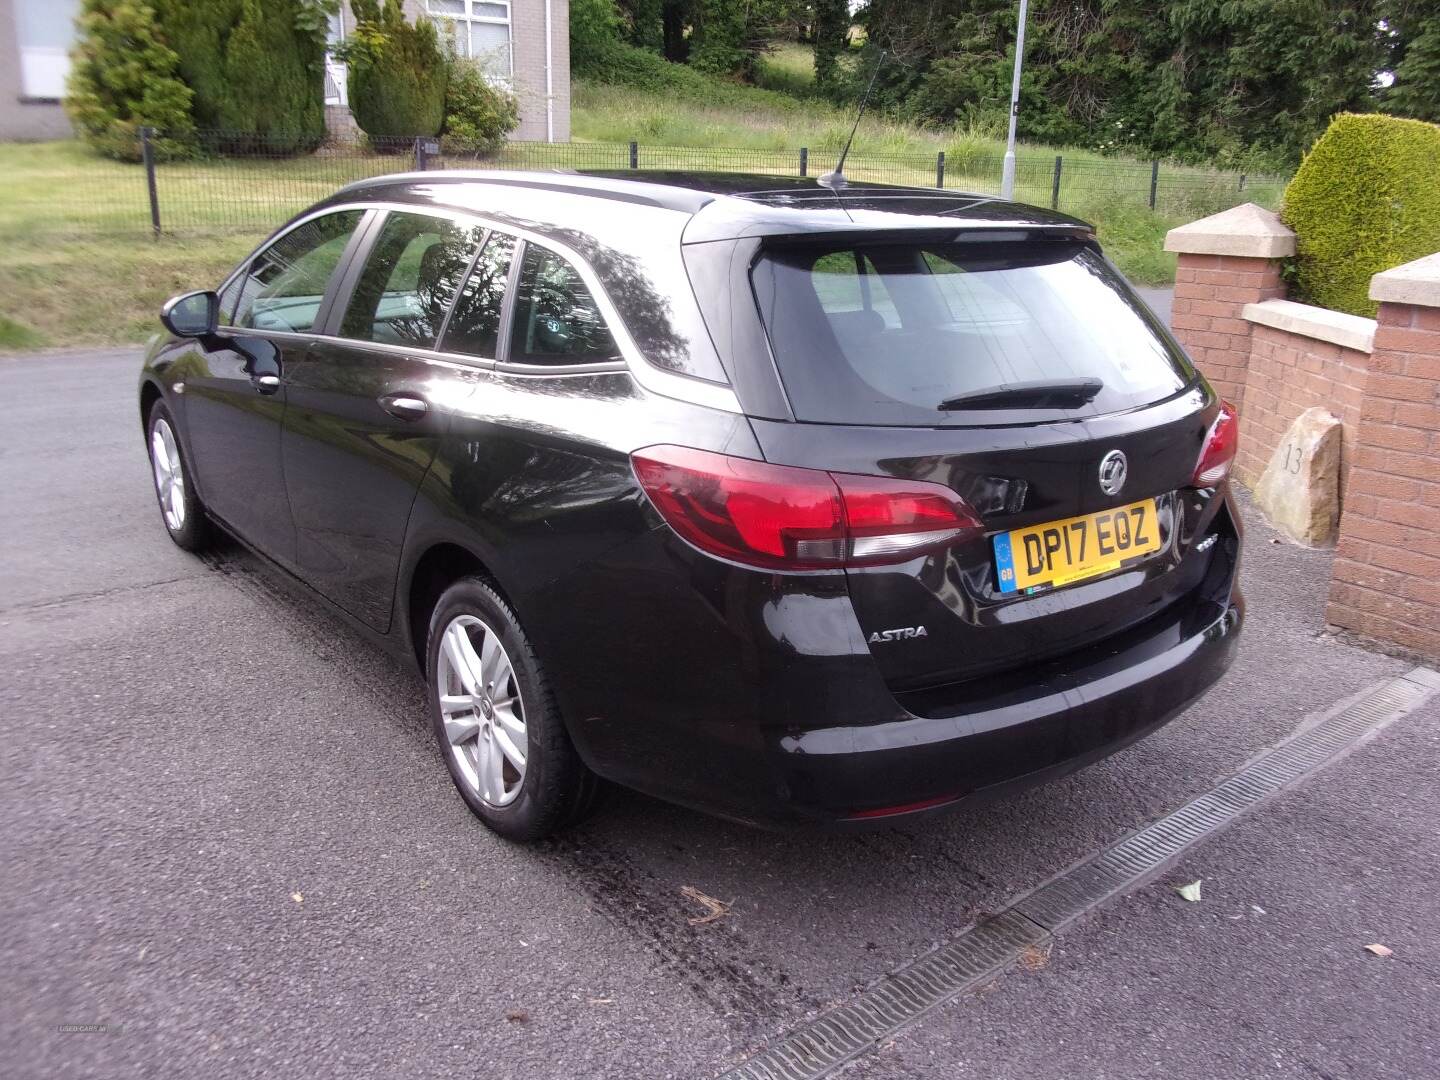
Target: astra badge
{"x": 898, "y": 634}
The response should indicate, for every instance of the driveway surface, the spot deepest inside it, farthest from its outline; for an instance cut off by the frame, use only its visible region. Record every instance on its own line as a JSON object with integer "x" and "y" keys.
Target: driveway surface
{"x": 227, "y": 836}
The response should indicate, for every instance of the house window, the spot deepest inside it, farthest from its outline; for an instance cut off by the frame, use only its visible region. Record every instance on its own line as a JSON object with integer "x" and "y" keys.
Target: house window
{"x": 336, "y": 89}
{"x": 45, "y": 30}
{"x": 480, "y": 30}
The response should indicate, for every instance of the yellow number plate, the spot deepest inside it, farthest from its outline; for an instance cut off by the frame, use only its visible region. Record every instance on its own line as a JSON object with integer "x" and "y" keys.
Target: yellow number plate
{"x": 1061, "y": 552}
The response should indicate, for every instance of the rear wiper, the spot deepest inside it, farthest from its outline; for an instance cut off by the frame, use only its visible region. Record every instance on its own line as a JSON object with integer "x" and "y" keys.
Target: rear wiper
{"x": 1059, "y": 394}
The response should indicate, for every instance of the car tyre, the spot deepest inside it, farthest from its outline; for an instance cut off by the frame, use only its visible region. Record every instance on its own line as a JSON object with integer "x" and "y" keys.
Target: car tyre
{"x": 495, "y": 719}
{"x": 181, "y": 511}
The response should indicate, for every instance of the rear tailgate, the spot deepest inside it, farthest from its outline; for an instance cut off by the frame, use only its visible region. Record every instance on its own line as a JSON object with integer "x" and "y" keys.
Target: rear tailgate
{"x": 1013, "y": 478}
{"x": 883, "y": 346}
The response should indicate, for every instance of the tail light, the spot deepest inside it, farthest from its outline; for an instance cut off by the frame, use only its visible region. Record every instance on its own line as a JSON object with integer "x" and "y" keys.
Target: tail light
{"x": 1218, "y": 453}
{"x": 784, "y": 518}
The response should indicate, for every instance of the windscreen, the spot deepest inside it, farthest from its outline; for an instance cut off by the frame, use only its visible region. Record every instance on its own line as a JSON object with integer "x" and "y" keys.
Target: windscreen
{"x": 946, "y": 333}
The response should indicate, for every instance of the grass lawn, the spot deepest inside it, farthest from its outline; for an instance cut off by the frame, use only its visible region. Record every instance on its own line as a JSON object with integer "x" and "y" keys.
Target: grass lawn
{"x": 78, "y": 263}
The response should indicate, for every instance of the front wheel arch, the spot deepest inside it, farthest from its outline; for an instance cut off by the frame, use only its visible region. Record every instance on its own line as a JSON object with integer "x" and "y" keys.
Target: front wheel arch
{"x": 149, "y": 394}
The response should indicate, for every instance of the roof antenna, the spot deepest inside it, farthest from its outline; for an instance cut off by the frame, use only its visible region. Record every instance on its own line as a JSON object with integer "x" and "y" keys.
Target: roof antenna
{"x": 836, "y": 180}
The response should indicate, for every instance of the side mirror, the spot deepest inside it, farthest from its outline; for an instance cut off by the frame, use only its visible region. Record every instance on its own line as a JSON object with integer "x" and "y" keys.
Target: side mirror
{"x": 191, "y": 315}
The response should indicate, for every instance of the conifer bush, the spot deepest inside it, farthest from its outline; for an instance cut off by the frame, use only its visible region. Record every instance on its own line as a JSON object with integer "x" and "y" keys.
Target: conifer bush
{"x": 124, "y": 76}
{"x": 256, "y": 68}
{"x": 1364, "y": 200}
{"x": 397, "y": 75}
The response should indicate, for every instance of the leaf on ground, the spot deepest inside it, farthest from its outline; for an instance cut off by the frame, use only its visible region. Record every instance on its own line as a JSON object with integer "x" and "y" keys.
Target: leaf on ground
{"x": 1189, "y": 892}
{"x": 1035, "y": 957}
{"x": 1380, "y": 950}
{"x": 518, "y": 1016}
{"x": 297, "y": 898}
{"x": 714, "y": 909}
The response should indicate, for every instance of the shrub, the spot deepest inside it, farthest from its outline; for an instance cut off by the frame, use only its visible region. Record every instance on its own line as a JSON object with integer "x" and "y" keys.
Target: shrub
{"x": 397, "y": 73}
{"x": 123, "y": 77}
{"x": 256, "y": 68}
{"x": 197, "y": 33}
{"x": 478, "y": 115}
{"x": 275, "y": 81}
{"x": 1363, "y": 201}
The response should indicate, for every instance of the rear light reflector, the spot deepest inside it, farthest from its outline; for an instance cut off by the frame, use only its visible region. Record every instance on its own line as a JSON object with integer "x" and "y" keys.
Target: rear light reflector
{"x": 1218, "y": 453}
{"x": 903, "y": 808}
{"x": 785, "y": 518}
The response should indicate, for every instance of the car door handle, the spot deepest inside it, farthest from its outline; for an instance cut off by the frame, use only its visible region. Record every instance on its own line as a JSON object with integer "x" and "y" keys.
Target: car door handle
{"x": 266, "y": 384}
{"x": 404, "y": 406}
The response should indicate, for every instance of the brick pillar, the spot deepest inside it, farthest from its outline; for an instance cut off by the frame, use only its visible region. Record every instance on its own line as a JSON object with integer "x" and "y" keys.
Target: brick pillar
{"x": 1387, "y": 562}
{"x": 1226, "y": 261}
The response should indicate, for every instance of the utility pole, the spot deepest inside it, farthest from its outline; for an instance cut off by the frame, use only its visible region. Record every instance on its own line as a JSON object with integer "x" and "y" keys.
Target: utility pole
{"x": 1007, "y": 175}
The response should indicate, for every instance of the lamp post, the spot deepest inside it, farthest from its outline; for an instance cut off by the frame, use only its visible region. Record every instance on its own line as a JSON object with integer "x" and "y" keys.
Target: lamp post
{"x": 1007, "y": 174}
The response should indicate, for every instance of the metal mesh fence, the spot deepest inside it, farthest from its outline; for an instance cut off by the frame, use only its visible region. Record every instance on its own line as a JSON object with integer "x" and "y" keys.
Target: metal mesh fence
{"x": 235, "y": 184}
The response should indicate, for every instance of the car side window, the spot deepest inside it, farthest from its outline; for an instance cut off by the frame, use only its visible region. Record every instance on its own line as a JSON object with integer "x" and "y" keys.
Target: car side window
{"x": 284, "y": 285}
{"x": 556, "y": 320}
{"x": 475, "y": 325}
{"x": 411, "y": 275}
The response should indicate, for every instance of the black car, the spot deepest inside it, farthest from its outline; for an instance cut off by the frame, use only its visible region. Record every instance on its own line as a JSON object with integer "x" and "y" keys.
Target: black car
{"x": 788, "y": 502}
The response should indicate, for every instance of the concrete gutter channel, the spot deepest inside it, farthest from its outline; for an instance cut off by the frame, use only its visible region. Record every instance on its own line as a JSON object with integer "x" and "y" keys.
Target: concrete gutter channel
{"x": 315, "y": 775}
{"x": 839, "y": 1036}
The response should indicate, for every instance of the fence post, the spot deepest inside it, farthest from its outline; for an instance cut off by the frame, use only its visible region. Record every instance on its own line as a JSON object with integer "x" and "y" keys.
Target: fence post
{"x": 1055, "y": 185}
{"x": 940, "y": 169}
{"x": 804, "y": 161}
{"x": 147, "y": 154}
{"x": 1154, "y": 180}
{"x": 1242, "y": 183}
{"x": 634, "y": 154}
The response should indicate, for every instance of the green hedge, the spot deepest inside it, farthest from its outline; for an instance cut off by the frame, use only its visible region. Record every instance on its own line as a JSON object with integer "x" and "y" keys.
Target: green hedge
{"x": 1366, "y": 198}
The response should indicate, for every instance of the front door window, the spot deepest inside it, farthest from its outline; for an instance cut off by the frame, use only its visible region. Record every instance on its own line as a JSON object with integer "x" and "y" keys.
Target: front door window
{"x": 285, "y": 284}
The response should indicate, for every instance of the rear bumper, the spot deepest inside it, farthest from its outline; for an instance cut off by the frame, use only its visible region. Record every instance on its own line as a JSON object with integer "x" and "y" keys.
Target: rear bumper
{"x": 762, "y": 703}
{"x": 1061, "y": 721}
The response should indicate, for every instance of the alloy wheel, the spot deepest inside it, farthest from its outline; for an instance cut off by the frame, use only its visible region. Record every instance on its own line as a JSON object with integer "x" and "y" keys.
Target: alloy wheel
{"x": 169, "y": 474}
{"x": 482, "y": 709}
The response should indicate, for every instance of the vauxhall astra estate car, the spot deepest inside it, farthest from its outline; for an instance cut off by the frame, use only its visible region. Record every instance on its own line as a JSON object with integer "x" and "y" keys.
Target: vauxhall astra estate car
{"x": 786, "y": 502}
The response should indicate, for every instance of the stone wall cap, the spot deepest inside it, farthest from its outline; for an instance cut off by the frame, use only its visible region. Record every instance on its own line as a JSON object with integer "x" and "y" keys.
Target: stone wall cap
{"x": 1247, "y": 230}
{"x": 1349, "y": 331}
{"x": 1415, "y": 282}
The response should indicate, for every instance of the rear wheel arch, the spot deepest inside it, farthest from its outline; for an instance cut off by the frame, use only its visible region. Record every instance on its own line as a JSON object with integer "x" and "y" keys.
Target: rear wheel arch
{"x": 438, "y": 567}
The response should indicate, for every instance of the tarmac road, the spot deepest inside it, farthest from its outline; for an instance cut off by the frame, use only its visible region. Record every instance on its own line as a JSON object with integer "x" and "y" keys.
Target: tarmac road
{"x": 224, "y": 830}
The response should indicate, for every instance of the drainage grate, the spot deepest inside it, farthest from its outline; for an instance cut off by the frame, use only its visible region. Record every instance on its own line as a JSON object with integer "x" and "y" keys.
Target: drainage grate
{"x": 844, "y": 1033}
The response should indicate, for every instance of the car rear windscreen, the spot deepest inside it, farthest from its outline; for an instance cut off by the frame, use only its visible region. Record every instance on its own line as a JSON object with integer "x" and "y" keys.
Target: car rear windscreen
{"x": 920, "y": 333}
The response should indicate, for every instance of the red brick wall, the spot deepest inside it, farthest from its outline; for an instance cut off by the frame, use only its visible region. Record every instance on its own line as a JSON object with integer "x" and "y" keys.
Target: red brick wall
{"x": 1387, "y": 565}
{"x": 1289, "y": 373}
{"x": 1210, "y": 292}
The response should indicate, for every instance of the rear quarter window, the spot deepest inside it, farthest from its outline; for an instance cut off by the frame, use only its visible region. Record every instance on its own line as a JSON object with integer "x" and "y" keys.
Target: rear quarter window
{"x": 886, "y": 333}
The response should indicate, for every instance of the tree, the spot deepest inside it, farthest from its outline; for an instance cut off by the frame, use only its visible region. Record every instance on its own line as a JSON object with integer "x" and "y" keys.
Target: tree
{"x": 397, "y": 73}
{"x": 275, "y": 80}
{"x": 256, "y": 67}
{"x": 594, "y": 36}
{"x": 722, "y": 35}
{"x": 1416, "y": 90}
{"x": 197, "y": 32}
{"x": 832, "y": 24}
{"x": 124, "y": 76}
